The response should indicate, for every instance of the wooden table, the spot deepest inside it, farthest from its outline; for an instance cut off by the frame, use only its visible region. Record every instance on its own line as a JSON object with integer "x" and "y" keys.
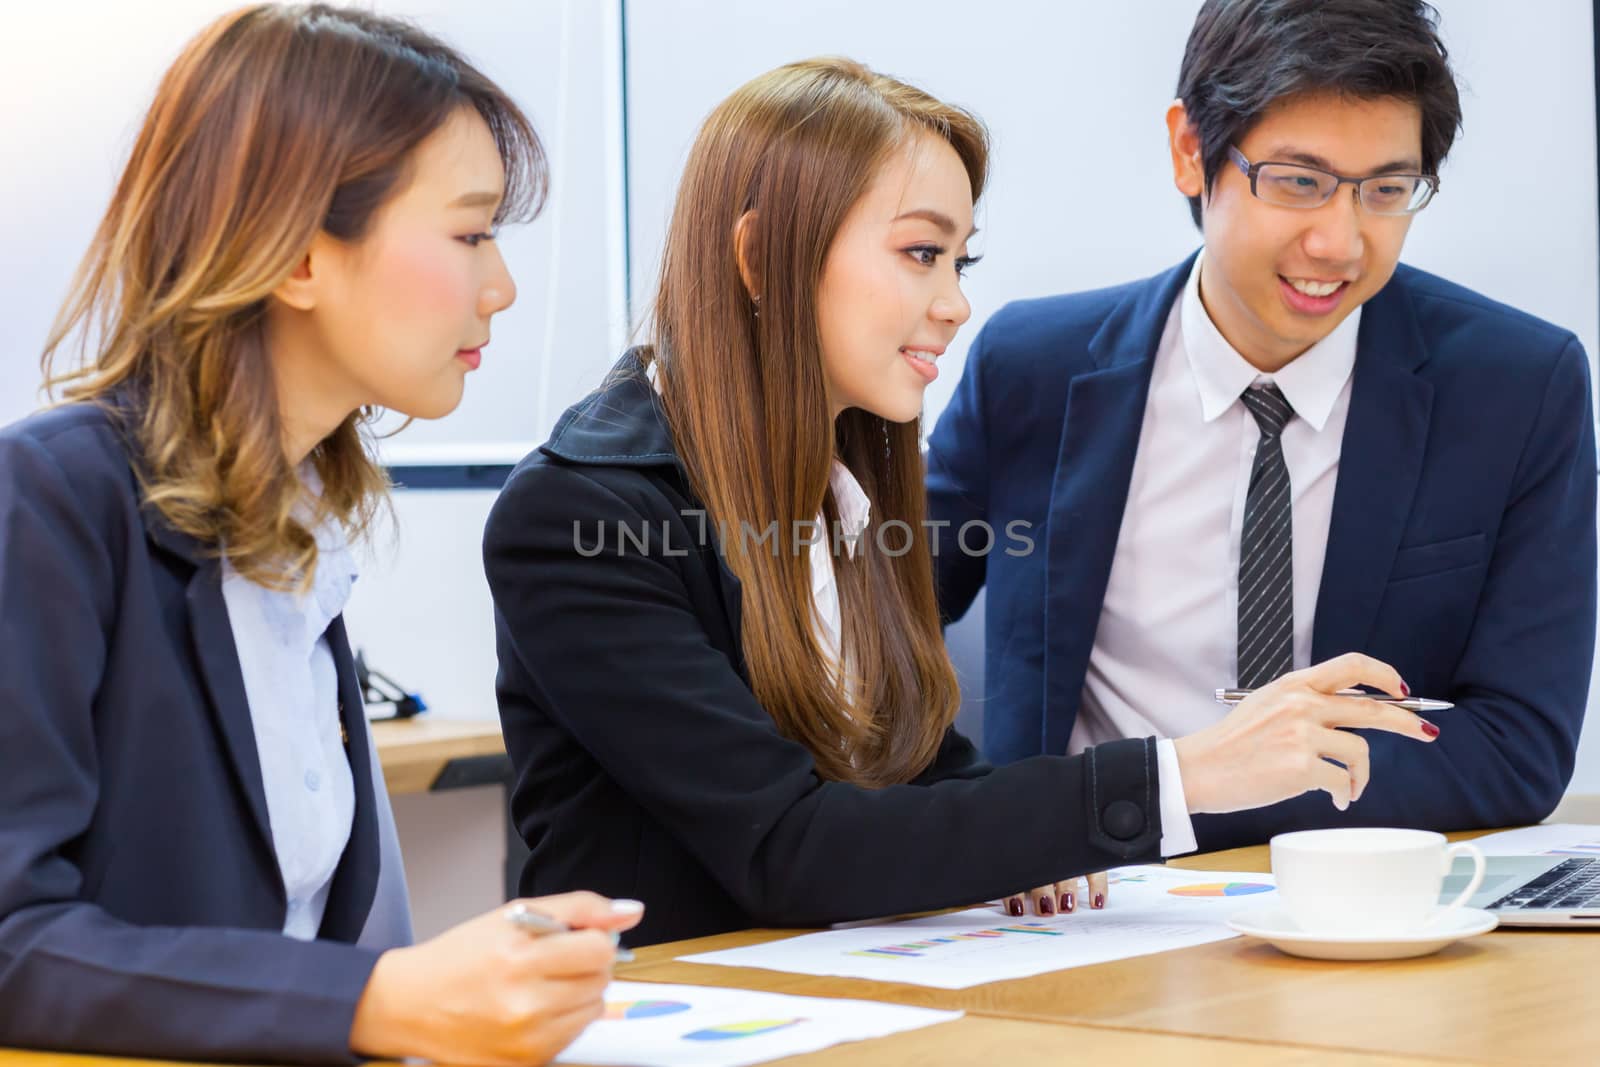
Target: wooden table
{"x": 1524, "y": 996}
{"x": 1512, "y": 996}
{"x": 975, "y": 1039}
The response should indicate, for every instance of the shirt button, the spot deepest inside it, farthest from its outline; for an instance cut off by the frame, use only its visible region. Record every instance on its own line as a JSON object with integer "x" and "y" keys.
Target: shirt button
{"x": 313, "y": 781}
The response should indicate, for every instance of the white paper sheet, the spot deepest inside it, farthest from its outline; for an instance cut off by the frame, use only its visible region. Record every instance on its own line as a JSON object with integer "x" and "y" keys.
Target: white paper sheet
{"x": 1555, "y": 839}
{"x": 1148, "y": 909}
{"x": 654, "y": 1025}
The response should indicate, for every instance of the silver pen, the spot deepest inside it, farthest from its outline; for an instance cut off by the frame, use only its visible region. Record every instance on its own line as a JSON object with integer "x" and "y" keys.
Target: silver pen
{"x": 1416, "y": 704}
{"x": 539, "y": 924}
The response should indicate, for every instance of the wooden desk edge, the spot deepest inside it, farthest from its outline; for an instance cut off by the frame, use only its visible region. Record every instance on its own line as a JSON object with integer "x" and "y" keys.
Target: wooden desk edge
{"x": 414, "y": 752}
{"x": 973, "y": 1038}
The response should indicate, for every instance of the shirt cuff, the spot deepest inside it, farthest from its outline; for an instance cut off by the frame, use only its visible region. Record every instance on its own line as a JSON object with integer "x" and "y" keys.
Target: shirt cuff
{"x": 1177, "y": 830}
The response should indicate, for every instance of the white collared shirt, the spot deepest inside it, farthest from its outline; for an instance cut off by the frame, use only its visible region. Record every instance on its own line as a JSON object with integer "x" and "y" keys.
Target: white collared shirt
{"x": 855, "y": 511}
{"x": 1168, "y": 630}
{"x": 292, "y": 688}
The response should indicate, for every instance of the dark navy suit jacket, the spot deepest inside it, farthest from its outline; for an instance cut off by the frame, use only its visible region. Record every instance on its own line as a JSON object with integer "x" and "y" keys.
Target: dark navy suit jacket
{"x": 1461, "y": 547}
{"x": 141, "y": 905}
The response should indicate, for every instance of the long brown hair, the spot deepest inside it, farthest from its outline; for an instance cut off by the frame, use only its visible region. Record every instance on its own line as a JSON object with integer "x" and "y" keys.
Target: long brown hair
{"x": 746, "y": 399}
{"x": 274, "y": 123}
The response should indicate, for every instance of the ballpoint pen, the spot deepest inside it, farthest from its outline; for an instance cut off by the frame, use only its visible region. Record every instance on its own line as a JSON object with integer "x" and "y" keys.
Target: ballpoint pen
{"x": 1417, "y": 704}
{"x": 539, "y": 924}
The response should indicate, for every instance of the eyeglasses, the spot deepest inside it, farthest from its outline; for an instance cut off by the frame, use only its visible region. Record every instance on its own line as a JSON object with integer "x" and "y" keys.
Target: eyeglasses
{"x": 1296, "y": 185}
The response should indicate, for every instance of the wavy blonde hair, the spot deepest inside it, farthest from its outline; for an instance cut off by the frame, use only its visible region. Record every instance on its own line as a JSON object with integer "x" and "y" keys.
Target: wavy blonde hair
{"x": 276, "y": 122}
{"x": 746, "y": 398}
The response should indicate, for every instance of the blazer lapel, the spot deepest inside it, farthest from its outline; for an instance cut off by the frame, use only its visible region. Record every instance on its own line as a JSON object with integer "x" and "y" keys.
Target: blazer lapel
{"x": 1385, "y": 439}
{"x": 219, "y": 669}
{"x": 218, "y": 659}
{"x": 1094, "y": 464}
{"x": 356, "y": 878}
{"x": 355, "y": 881}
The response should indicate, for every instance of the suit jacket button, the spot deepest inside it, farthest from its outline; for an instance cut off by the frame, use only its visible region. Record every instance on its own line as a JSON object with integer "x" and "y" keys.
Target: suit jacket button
{"x": 1122, "y": 819}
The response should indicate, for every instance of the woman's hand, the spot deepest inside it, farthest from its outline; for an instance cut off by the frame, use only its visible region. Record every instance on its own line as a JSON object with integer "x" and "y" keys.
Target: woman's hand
{"x": 1059, "y": 898}
{"x": 487, "y": 992}
{"x": 1278, "y": 742}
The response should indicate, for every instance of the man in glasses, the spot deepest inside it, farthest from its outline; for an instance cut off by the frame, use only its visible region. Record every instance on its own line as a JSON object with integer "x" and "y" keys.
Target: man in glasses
{"x": 1288, "y": 447}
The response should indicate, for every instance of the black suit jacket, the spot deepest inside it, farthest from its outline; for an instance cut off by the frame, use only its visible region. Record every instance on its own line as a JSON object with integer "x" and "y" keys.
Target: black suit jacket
{"x": 646, "y": 768}
{"x": 141, "y": 905}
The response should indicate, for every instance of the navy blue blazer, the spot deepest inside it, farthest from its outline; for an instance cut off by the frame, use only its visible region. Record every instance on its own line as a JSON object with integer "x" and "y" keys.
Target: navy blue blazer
{"x": 1461, "y": 547}
{"x": 141, "y": 905}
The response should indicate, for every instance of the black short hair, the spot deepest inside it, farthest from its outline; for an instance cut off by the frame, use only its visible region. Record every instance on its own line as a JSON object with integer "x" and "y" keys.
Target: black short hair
{"x": 1243, "y": 56}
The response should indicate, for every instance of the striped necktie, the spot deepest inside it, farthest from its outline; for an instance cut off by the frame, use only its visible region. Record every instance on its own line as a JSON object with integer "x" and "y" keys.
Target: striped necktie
{"x": 1266, "y": 552}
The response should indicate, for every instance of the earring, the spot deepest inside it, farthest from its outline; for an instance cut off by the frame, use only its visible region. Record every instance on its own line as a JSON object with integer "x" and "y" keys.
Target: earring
{"x": 756, "y": 300}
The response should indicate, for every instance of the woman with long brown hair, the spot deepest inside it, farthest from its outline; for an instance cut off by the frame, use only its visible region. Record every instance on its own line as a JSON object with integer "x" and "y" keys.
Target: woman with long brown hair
{"x": 722, "y": 678}
{"x": 197, "y": 857}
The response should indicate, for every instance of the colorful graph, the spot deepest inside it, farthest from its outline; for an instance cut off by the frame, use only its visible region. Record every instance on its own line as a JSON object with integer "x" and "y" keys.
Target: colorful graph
{"x": 643, "y": 1009}
{"x": 1220, "y": 889}
{"x": 735, "y": 1031}
{"x": 1586, "y": 848}
{"x": 1117, "y": 879}
{"x": 914, "y": 949}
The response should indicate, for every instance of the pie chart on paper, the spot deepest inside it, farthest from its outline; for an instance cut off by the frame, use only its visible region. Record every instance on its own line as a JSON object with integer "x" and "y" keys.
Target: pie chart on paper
{"x": 1221, "y": 889}
{"x": 643, "y": 1009}
{"x": 735, "y": 1031}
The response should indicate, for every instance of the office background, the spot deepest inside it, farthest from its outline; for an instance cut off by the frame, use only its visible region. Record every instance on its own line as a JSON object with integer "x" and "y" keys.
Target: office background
{"x": 1081, "y": 196}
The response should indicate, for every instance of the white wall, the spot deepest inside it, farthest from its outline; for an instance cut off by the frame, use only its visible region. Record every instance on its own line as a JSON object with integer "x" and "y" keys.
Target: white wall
{"x": 78, "y": 82}
{"x": 92, "y": 68}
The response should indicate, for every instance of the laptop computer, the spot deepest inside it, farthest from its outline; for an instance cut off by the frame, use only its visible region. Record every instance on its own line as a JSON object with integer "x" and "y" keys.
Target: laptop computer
{"x": 1533, "y": 890}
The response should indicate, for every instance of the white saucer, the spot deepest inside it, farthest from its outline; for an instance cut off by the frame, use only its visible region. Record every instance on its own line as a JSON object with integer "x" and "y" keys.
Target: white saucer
{"x": 1275, "y": 926}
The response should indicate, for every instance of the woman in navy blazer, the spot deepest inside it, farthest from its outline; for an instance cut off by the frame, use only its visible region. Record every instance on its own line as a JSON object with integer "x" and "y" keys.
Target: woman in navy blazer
{"x": 196, "y": 854}
{"x": 715, "y": 612}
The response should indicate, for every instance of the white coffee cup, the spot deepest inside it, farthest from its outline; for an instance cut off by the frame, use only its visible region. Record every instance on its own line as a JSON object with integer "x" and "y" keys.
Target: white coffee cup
{"x": 1360, "y": 880}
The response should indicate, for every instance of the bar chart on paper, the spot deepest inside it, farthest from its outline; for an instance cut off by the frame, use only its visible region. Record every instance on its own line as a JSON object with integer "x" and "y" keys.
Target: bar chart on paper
{"x": 1220, "y": 889}
{"x": 1148, "y": 909}
{"x": 989, "y": 937}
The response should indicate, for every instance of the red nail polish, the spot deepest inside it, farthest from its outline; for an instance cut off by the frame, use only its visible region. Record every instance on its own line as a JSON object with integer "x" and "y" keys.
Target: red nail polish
{"x": 1405, "y": 690}
{"x": 1014, "y": 906}
{"x": 1429, "y": 729}
{"x": 1046, "y": 905}
{"x": 1067, "y": 903}
{"x": 1099, "y": 900}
